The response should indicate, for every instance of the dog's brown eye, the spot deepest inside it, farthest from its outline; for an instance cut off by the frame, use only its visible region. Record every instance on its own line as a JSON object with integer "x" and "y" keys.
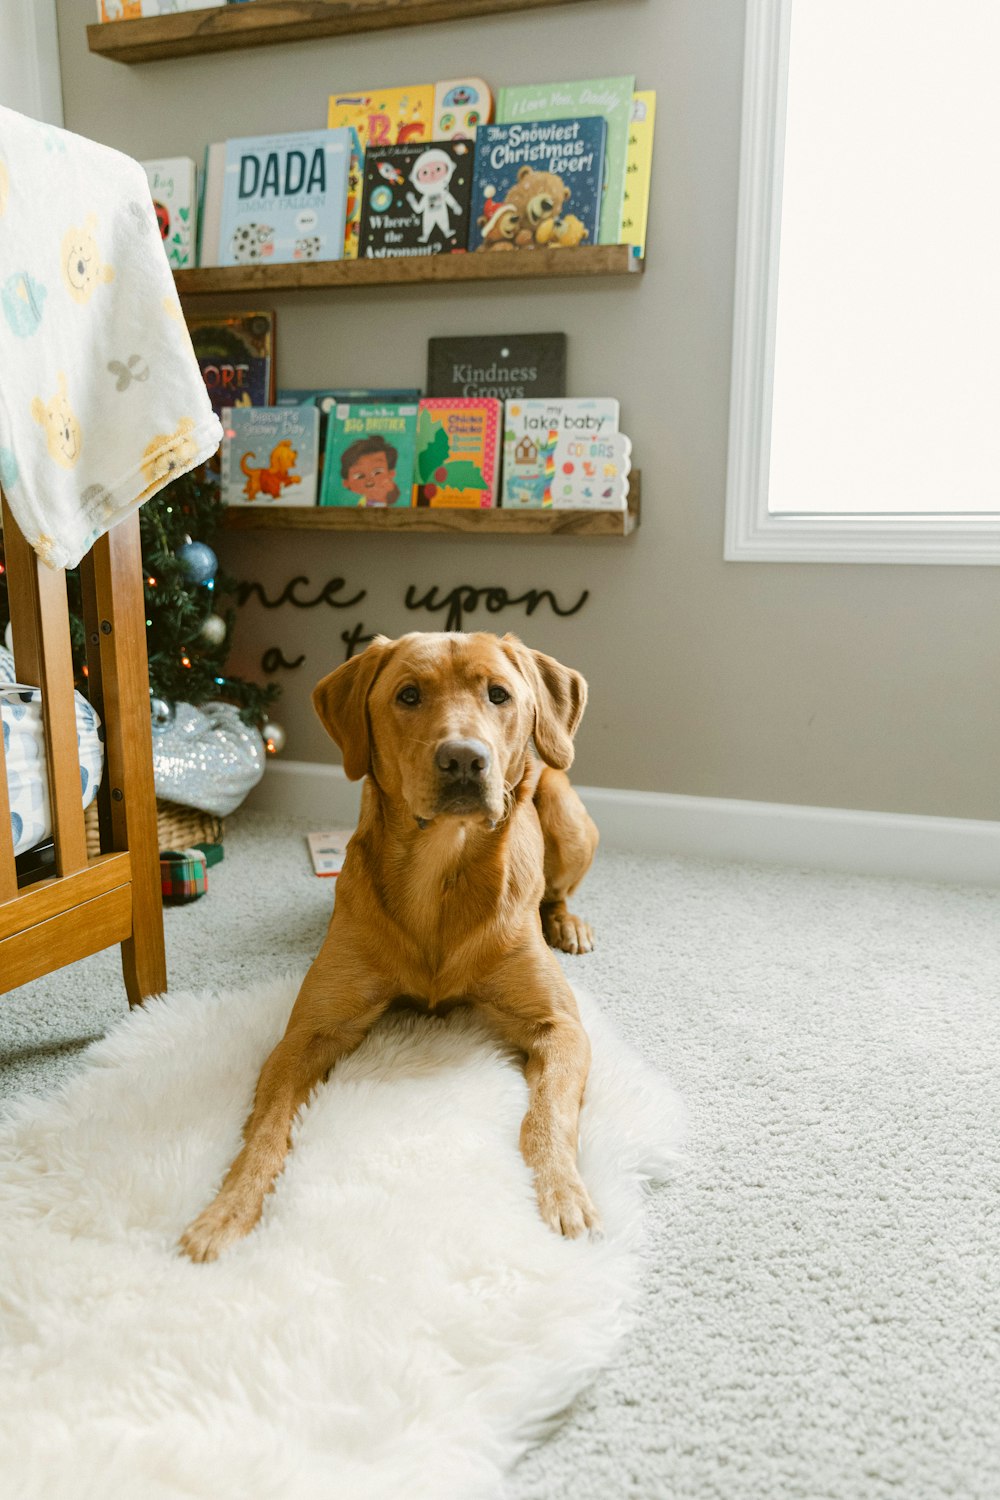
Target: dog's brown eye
{"x": 408, "y": 695}
{"x": 498, "y": 694}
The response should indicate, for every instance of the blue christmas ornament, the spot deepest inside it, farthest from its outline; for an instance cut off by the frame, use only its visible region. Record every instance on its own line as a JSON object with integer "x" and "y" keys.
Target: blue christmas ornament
{"x": 199, "y": 561}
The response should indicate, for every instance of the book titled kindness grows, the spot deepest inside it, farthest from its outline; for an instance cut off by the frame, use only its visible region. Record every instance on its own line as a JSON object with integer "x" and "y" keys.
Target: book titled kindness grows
{"x": 285, "y": 197}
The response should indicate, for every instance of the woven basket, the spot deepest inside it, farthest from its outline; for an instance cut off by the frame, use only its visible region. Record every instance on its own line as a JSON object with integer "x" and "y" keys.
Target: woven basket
{"x": 177, "y": 827}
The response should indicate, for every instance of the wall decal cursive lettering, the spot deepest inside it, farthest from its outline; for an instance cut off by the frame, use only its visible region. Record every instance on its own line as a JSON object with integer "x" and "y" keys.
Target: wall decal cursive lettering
{"x": 466, "y": 598}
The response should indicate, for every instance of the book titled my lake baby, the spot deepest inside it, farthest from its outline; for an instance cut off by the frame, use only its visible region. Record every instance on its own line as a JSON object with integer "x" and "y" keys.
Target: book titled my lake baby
{"x": 284, "y": 197}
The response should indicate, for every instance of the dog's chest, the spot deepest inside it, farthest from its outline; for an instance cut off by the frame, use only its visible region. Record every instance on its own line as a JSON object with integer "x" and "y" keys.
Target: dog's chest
{"x": 429, "y": 1005}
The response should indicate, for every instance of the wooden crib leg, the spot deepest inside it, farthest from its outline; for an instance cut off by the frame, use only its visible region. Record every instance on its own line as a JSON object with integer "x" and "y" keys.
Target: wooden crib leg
{"x": 116, "y": 639}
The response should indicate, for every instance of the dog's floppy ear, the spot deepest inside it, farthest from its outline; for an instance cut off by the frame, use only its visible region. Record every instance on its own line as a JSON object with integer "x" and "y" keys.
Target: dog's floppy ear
{"x": 560, "y": 698}
{"x": 341, "y": 701}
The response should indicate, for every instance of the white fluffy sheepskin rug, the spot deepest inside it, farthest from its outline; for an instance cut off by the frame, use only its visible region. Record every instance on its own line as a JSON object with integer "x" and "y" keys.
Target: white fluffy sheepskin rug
{"x": 400, "y": 1325}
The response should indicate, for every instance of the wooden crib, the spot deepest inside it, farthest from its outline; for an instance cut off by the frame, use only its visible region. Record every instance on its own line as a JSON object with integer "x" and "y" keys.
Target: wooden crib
{"x": 90, "y": 903}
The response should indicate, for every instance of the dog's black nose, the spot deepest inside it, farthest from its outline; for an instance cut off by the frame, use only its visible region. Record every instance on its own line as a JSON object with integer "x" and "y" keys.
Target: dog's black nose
{"x": 463, "y": 760}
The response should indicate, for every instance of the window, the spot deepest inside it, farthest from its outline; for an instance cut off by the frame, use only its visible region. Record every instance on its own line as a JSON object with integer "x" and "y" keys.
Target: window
{"x": 29, "y": 59}
{"x": 865, "y": 420}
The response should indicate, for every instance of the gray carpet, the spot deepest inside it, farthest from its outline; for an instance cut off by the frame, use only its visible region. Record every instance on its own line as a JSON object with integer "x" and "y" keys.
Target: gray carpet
{"x": 821, "y": 1315}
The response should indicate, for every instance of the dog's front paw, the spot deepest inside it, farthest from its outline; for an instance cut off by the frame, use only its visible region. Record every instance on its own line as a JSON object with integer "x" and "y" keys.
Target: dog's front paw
{"x": 566, "y": 932}
{"x": 566, "y": 1207}
{"x": 222, "y": 1223}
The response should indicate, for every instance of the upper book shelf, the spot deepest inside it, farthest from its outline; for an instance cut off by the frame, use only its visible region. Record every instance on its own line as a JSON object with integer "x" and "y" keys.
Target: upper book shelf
{"x": 412, "y": 270}
{"x": 264, "y": 23}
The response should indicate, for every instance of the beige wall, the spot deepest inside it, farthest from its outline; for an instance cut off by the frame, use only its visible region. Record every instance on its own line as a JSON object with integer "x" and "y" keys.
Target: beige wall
{"x": 850, "y": 686}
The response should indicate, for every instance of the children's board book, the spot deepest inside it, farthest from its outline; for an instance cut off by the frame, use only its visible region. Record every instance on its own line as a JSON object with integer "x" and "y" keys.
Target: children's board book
{"x": 638, "y": 170}
{"x": 385, "y": 117}
{"x": 284, "y": 198}
{"x": 236, "y": 357}
{"x": 328, "y": 850}
{"x": 210, "y": 203}
{"x": 172, "y": 187}
{"x": 458, "y": 455}
{"x": 610, "y": 97}
{"x": 461, "y": 105}
{"x": 269, "y": 455}
{"x": 501, "y": 365}
{"x": 369, "y": 454}
{"x": 132, "y": 10}
{"x": 415, "y": 199}
{"x": 326, "y": 401}
{"x": 532, "y": 431}
{"x": 591, "y": 471}
{"x": 537, "y": 185}
{"x": 355, "y": 177}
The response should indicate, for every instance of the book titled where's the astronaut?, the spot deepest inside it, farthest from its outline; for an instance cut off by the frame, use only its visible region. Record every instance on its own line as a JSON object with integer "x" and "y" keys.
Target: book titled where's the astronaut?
{"x": 415, "y": 199}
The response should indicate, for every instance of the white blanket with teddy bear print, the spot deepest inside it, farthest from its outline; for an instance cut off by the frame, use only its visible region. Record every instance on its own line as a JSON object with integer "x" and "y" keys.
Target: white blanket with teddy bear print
{"x": 101, "y": 399}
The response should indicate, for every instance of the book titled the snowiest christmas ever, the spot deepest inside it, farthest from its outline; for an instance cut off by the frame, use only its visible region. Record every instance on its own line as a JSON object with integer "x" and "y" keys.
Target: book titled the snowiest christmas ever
{"x": 538, "y": 185}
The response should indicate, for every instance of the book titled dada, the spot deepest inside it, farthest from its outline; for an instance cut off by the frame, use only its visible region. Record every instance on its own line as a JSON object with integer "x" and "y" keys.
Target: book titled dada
{"x": 269, "y": 455}
{"x": 415, "y": 199}
{"x": 505, "y": 365}
{"x": 538, "y": 185}
{"x": 284, "y": 197}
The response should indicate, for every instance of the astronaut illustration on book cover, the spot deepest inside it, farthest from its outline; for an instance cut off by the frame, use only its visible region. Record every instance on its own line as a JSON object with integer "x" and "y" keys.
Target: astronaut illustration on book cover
{"x": 431, "y": 173}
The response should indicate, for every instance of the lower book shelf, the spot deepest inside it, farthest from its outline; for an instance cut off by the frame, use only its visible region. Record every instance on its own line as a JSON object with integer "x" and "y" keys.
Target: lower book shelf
{"x": 429, "y": 521}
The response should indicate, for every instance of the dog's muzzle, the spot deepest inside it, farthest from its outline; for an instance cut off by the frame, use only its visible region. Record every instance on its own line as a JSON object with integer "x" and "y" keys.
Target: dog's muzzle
{"x": 463, "y": 767}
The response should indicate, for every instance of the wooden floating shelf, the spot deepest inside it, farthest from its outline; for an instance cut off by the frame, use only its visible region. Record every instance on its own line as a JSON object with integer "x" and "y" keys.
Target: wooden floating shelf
{"x": 427, "y": 521}
{"x": 226, "y": 28}
{"x": 406, "y": 270}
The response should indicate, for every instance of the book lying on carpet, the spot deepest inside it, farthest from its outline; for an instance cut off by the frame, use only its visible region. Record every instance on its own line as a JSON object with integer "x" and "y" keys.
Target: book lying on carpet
{"x": 501, "y": 365}
{"x": 537, "y": 185}
{"x": 269, "y": 455}
{"x": 638, "y": 170}
{"x": 328, "y": 850}
{"x": 538, "y": 473}
{"x": 369, "y": 454}
{"x": 415, "y": 199}
{"x": 458, "y": 455}
{"x": 172, "y": 185}
{"x": 609, "y": 97}
{"x": 236, "y": 357}
{"x": 284, "y": 197}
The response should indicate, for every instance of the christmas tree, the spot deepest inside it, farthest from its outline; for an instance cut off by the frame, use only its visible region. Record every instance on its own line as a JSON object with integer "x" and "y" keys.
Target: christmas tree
{"x": 187, "y": 638}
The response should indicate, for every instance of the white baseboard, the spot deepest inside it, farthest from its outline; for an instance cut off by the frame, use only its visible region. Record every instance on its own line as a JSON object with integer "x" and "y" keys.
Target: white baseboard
{"x": 819, "y": 838}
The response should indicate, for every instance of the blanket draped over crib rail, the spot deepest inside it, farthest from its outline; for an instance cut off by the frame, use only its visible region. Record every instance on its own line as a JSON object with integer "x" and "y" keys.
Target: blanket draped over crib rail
{"x": 101, "y": 399}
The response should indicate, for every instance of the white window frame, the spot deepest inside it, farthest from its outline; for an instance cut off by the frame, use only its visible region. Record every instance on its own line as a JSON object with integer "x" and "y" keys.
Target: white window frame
{"x": 30, "y": 80}
{"x": 752, "y": 533}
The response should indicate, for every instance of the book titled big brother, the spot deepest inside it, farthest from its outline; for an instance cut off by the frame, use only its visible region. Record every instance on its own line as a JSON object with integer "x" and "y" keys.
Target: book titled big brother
{"x": 284, "y": 197}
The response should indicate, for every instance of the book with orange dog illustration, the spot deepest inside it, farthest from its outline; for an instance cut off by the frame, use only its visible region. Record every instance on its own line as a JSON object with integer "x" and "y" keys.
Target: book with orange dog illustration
{"x": 270, "y": 455}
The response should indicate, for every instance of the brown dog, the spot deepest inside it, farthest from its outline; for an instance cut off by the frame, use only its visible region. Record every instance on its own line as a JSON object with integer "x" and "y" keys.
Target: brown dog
{"x": 465, "y": 852}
